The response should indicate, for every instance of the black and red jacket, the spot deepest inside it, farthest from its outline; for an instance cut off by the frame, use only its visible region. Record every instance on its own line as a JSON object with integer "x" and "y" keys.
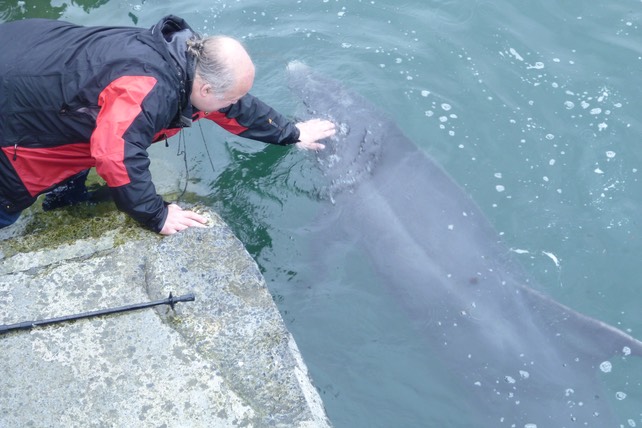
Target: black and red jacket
{"x": 74, "y": 97}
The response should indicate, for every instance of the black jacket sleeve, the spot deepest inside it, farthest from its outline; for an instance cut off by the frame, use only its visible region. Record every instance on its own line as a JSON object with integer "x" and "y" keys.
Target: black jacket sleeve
{"x": 251, "y": 118}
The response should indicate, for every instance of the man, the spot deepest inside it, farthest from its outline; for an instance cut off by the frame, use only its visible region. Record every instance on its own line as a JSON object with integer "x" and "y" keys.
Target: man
{"x": 74, "y": 97}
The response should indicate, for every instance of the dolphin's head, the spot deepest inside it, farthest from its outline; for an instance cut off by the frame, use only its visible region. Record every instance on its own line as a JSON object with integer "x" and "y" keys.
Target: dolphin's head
{"x": 353, "y": 152}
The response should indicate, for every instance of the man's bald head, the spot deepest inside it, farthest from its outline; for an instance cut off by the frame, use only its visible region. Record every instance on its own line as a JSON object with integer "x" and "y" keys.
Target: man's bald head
{"x": 224, "y": 63}
{"x": 224, "y": 72}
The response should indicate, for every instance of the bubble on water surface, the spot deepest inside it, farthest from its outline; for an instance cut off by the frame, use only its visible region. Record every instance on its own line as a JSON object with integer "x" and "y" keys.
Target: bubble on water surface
{"x": 515, "y": 54}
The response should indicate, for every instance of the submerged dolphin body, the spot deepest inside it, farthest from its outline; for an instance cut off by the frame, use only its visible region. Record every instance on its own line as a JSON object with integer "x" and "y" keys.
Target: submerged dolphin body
{"x": 526, "y": 359}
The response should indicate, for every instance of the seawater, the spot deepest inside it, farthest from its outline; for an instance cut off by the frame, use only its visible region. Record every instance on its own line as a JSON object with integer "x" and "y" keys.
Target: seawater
{"x": 534, "y": 107}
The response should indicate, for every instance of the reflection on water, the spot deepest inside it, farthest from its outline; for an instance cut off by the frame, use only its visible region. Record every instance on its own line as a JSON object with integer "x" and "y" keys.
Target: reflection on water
{"x": 243, "y": 189}
{"x": 14, "y": 10}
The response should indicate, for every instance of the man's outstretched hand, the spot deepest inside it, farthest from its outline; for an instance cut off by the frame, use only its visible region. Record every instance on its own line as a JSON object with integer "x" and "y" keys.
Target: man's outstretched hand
{"x": 312, "y": 131}
{"x": 179, "y": 219}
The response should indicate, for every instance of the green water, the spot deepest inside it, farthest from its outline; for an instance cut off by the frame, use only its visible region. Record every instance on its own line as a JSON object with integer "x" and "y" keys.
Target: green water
{"x": 533, "y": 106}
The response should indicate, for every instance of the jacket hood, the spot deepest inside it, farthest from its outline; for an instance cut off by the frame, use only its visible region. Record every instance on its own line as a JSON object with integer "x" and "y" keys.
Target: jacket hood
{"x": 169, "y": 37}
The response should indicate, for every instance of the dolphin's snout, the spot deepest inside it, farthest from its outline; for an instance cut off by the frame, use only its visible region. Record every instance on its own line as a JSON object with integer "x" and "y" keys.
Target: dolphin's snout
{"x": 296, "y": 66}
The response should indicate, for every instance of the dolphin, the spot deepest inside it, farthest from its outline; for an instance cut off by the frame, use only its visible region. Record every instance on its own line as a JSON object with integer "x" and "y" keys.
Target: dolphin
{"x": 523, "y": 359}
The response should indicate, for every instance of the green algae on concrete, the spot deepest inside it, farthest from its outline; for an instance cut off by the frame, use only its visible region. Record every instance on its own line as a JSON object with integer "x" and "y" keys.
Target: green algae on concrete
{"x": 44, "y": 230}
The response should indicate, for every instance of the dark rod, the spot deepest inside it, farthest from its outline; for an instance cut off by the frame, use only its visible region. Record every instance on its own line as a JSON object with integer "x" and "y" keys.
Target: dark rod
{"x": 27, "y": 325}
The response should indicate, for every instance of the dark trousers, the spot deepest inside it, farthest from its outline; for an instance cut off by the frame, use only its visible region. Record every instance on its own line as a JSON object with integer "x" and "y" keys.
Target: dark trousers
{"x": 71, "y": 192}
{"x": 7, "y": 218}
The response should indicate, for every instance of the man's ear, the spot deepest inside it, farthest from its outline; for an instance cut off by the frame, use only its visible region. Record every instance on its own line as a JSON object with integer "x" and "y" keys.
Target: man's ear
{"x": 206, "y": 89}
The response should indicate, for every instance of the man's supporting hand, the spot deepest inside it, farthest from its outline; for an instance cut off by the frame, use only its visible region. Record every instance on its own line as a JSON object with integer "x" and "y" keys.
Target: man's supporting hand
{"x": 179, "y": 219}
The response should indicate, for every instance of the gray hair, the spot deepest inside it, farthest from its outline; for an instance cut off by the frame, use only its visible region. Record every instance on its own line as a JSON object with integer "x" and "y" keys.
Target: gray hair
{"x": 211, "y": 65}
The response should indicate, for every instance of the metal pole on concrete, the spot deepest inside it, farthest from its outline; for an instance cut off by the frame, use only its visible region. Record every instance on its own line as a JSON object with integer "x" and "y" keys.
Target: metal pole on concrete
{"x": 28, "y": 325}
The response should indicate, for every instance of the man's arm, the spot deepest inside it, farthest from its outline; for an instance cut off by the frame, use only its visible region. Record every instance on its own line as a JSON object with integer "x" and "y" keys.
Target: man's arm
{"x": 251, "y": 118}
{"x": 131, "y": 110}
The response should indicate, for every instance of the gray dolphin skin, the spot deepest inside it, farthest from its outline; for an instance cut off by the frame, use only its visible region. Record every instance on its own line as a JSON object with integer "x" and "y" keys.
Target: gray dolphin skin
{"x": 523, "y": 359}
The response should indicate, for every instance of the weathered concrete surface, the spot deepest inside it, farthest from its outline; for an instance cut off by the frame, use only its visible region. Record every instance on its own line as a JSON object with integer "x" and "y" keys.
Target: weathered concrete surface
{"x": 224, "y": 360}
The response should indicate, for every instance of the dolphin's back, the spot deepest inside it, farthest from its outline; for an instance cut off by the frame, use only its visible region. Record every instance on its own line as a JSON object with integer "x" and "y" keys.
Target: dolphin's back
{"x": 445, "y": 264}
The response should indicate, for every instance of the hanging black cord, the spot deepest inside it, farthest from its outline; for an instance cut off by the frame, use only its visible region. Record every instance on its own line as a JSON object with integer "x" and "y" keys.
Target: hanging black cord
{"x": 209, "y": 156}
{"x": 181, "y": 135}
{"x": 182, "y": 142}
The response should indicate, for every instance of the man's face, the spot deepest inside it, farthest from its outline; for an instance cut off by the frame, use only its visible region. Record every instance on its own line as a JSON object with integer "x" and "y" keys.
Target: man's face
{"x": 204, "y": 98}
